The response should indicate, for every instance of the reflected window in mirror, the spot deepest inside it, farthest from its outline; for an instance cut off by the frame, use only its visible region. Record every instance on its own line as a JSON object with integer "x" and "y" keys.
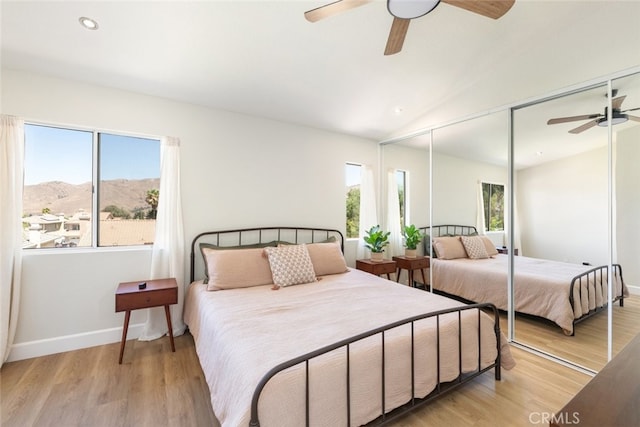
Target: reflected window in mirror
{"x": 493, "y": 201}
{"x": 353, "y": 174}
{"x": 401, "y": 179}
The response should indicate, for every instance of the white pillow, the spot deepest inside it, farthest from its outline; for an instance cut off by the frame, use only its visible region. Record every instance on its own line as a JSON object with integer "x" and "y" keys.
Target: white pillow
{"x": 474, "y": 245}
{"x": 290, "y": 265}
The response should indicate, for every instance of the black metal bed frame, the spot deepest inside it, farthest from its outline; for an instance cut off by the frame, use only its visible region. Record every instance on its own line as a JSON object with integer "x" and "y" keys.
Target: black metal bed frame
{"x": 590, "y": 276}
{"x": 415, "y": 402}
{"x": 310, "y": 235}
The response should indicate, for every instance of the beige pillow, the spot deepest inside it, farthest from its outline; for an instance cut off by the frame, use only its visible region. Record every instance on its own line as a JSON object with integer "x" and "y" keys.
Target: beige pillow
{"x": 212, "y": 246}
{"x": 327, "y": 258}
{"x": 236, "y": 268}
{"x": 449, "y": 247}
{"x": 290, "y": 265}
{"x": 489, "y": 246}
{"x": 474, "y": 245}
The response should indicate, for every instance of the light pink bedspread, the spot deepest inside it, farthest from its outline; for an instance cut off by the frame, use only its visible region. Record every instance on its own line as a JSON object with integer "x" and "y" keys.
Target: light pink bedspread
{"x": 541, "y": 287}
{"x": 241, "y": 334}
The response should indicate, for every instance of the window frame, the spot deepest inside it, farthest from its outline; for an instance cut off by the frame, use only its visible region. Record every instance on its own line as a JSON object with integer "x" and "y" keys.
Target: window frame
{"x": 487, "y": 207}
{"x": 404, "y": 200}
{"x": 95, "y": 179}
{"x": 359, "y": 165}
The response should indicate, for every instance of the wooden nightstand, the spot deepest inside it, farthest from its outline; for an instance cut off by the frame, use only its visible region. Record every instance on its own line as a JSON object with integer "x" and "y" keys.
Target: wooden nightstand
{"x": 377, "y": 267}
{"x": 503, "y": 250}
{"x": 412, "y": 264}
{"x": 159, "y": 292}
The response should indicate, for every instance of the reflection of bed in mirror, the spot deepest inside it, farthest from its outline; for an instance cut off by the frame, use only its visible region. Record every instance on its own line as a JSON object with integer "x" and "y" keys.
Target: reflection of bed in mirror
{"x": 340, "y": 345}
{"x": 561, "y": 292}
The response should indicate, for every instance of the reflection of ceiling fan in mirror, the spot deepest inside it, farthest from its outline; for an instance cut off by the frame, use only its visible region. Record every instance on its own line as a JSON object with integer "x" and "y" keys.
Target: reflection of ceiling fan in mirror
{"x": 617, "y": 116}
{"x": 404, "y": 11}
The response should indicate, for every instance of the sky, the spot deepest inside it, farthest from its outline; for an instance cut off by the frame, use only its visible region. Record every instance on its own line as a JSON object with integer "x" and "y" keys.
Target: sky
{"x": 56, "y": 154}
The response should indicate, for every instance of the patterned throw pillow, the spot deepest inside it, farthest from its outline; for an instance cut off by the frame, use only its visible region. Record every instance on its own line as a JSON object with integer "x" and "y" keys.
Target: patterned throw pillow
{"x": 474, "y": 246}
{"x": 290, "y": 265}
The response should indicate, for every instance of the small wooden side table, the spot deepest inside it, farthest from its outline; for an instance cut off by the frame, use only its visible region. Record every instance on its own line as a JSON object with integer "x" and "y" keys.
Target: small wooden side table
{"x": 505, "y": 251}
{"x": 156, "y": 293}
{"x": 377, "y": 267}
{"x": 412, "y": 264}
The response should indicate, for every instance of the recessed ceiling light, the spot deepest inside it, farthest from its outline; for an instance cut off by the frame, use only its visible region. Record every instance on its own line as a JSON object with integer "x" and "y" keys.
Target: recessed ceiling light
{"x": 88, "y": 23}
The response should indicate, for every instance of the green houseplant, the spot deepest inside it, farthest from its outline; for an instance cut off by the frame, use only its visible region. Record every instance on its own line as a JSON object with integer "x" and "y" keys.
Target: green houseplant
{"x": 376, "y": 240}
{"x": 412, "y": 237}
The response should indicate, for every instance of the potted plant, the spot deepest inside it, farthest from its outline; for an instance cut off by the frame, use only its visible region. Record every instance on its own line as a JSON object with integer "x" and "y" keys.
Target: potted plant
{"x": 412, "y": 237}
{"x": 376, "y": 240}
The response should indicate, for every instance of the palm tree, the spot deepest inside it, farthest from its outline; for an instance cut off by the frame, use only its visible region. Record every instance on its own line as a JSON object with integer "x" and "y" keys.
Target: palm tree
{"x": 152, "y": 199}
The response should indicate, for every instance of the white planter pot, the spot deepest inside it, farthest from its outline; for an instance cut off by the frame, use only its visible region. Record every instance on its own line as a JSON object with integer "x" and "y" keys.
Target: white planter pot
{"x": 410, "y": 253}
{"x": 377, "y": 256}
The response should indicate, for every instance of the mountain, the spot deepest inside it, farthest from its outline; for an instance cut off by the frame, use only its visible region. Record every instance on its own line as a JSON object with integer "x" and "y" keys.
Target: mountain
{"x": 62, "y": 197}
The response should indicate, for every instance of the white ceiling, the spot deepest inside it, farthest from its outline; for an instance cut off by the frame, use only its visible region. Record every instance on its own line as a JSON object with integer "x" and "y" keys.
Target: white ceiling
{"x": 263, "y": 58}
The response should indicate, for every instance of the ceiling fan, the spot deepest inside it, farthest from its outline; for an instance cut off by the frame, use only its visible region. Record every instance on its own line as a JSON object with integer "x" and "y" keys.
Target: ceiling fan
{"x": 617, "y": 116}
{"x": 404, "y": 11}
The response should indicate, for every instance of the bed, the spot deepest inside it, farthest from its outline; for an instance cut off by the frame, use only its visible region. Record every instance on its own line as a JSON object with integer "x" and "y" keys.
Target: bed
{"x": 345, "y": 349}
{"x": 563, "y": 293}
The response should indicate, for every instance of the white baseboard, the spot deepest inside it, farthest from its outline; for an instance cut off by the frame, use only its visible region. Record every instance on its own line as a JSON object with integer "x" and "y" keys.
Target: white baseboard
{"x": 27, "y": 350}
{"x": 30, "y": 349}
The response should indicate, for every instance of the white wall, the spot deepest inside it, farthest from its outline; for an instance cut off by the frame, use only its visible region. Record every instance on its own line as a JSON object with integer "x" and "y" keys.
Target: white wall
{"x": 628, "y": 205}
{"x": 455, "y": 187}
{"x": 416, "y": 163}
{"x": 237, "y": 171}
{"x": 562, "y": 208}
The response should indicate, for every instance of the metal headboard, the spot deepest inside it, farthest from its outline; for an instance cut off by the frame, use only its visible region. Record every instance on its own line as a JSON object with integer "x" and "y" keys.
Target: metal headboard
{"x": 252, "y": 236}
{"x": 449, "y": 230}
{"x": 445, "y": 230}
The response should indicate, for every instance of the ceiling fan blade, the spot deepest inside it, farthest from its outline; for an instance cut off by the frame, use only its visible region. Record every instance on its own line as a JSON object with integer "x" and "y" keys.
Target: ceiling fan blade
{"x": 634, "y": 118}
{"x": 572, "y": 119}
{"x": 631, "y": 109}
{"x": 584, "y": 127}
{"x": 331, "y": 9}
{"x": 490, "y": 9}
{"x": 616, "y": 103}
{"x": 396, "y": 35}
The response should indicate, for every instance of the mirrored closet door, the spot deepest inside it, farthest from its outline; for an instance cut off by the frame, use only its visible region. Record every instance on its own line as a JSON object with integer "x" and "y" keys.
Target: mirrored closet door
{"x": 626, "y": 209}
{"x": 561, "y": 222}
{"x": 567, "y": 182}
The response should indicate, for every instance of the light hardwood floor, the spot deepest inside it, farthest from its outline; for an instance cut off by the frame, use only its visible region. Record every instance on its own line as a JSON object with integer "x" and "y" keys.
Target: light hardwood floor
{"x": 155, "y": 387}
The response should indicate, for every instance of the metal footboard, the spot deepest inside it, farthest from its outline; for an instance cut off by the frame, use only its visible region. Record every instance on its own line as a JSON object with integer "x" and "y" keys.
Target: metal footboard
{"x": 389, "y": 414}
{"x": 596, "y": 276}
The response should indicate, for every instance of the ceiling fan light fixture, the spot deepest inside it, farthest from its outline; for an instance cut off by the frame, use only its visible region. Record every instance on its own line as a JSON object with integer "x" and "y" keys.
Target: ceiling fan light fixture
{"x": 410, "y": 9}
{"x": 616, "y": 119}
{"x": 88, "y": 23}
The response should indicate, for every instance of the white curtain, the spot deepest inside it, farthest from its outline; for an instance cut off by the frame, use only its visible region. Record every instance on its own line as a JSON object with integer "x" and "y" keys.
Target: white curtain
{"x": 480, "y": 219}
{"x": 393, "y": 216}
{"x": 11, "y": 185}
{"x": 168, "y": 247}
{"x": 517, "y": 243}
{"x": 368, "y": 210}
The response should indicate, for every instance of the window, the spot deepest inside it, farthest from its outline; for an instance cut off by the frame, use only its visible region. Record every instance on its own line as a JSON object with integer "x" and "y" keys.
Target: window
{"x": 493, "y": 199}
{"x": 353, "y": 180}
{"x": 68, "y": 204}
{"x": 401, "y": 178}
